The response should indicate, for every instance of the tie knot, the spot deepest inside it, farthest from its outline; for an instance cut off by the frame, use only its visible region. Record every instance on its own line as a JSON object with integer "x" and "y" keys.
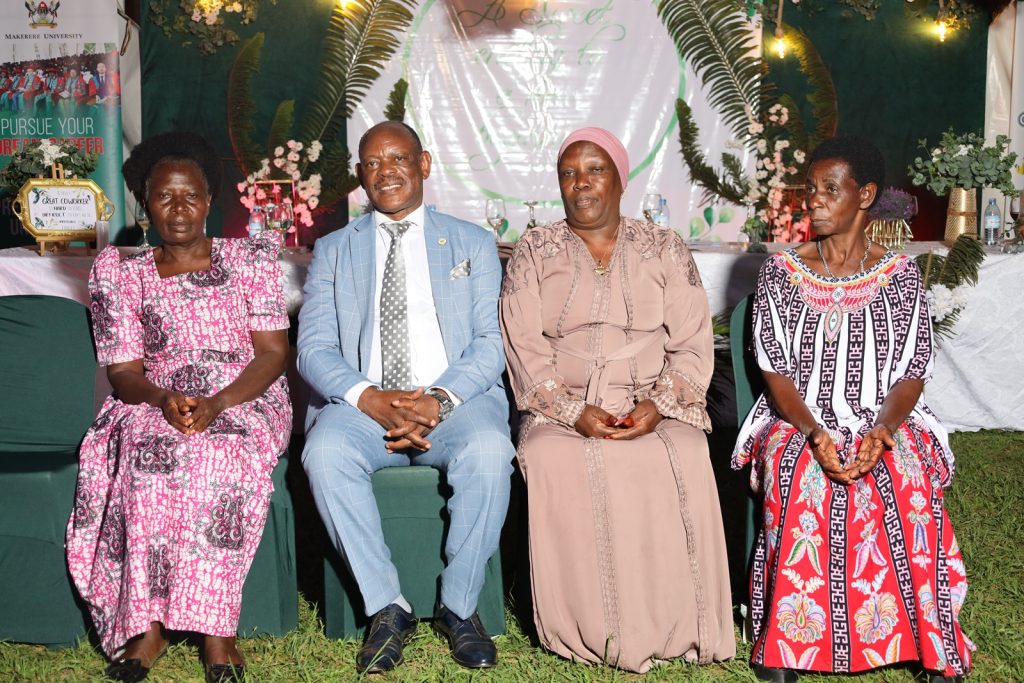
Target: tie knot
{"x": 396, "y": 230}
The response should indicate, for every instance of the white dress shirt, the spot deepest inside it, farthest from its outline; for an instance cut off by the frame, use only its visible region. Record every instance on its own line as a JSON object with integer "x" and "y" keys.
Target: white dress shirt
{"x": 426, "y": 346}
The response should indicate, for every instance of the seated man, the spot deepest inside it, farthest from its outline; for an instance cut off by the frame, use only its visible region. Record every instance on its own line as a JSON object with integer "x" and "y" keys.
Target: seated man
{"x": 399, "y": 341}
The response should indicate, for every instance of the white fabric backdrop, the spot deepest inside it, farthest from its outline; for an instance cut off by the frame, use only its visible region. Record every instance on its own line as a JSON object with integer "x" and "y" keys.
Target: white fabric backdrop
{"x": 494, "y": 88}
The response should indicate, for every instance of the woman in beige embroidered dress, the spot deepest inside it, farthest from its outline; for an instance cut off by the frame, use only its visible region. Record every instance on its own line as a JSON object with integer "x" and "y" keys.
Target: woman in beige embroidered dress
{"x": 609, "y": 346}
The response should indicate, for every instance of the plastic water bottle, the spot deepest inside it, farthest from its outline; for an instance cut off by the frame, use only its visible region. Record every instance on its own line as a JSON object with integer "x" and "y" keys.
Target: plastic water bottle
{"x": 257, "y": 221}
{"x": 993, "y": 222}
{"x": 663, "y": 214}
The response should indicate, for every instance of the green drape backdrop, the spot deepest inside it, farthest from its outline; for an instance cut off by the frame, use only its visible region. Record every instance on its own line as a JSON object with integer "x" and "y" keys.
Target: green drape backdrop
{"x": 896, "y": 84}
{"x": 185, "y": 90}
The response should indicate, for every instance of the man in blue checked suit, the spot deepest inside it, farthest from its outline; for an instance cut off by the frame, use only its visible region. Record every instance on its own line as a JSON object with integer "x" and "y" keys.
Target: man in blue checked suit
{"x": 399, "y": 340}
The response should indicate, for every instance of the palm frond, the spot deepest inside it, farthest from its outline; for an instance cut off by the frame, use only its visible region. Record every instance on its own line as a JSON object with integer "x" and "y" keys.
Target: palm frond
{"x": 822, "y": 91}
{"x": 241, "y": 107}
{"x": 395, "y": 110}
{"x": 281, "y": 126}
{"x": 360, "y": 40}
{"x": 959, "y": 266}
{"x": 336, "y": 180}
{"x": 731, "y": 186}
{"x": 714, "y": 38}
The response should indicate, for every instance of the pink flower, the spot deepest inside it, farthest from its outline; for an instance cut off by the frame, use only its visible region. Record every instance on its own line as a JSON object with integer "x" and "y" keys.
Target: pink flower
{"x": 279, "y": 151}
{"x": 293, "y": 157}
{"x": 312, "y": 202}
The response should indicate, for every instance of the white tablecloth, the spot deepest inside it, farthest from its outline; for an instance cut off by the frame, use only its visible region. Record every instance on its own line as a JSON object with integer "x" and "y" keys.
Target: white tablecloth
{"x": 979, "y": 375}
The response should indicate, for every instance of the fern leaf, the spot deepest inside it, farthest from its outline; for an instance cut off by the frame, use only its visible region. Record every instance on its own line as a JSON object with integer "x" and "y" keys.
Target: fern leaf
{"x": 395, "y": 110}
{"x": 241, "y": 107}
{"x": 731, "y": 187}
{"x": 281, "y": 126}
{"x": 359, "y": 42}
{"x": 822, "y": 93}
{"x": 714, "y": 38}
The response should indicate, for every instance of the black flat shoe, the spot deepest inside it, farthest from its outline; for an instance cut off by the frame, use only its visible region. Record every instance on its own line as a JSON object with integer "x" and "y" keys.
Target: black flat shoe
{"x": 767, "y": 673}
{"x": 130, "y": 670}
{"x": 471, "y": 645}
{"x": 225, "y": 673}
{"x": 390, "y": 629}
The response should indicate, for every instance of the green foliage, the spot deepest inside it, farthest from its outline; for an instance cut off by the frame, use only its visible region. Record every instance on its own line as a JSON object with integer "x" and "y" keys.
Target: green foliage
{"x": 714, "y": 37}
{"x": 965, "y": 161}
{"x": 821, "y": 94}
{"x": 281, "y": 126}
{"x": 30, "y": 162}
{"x": 186, "y": 17}
{"x": 360, "y": 41}
{"x": 730, "y": 184}
{"x": 241, "y": 108}
{"x": 395, "y": 110}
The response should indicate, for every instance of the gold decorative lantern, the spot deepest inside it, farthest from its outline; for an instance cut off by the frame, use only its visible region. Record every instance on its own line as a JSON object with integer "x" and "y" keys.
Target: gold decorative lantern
{"x": 890, "y": 233}
{"x": 962, "y": 214}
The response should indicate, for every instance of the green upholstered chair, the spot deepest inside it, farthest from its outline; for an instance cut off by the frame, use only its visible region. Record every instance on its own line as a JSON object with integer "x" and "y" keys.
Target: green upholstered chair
{"x": 749, "y": 385}
{"x": 411, "y": 501}
{"x": 270, "y": 598}
{"x": 47, "y": 377}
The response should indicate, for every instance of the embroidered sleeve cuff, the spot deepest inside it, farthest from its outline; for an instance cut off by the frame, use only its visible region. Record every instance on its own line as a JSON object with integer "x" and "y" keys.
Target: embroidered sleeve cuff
{"x": 553, "y": 400}
{"x": 678, "y": 396}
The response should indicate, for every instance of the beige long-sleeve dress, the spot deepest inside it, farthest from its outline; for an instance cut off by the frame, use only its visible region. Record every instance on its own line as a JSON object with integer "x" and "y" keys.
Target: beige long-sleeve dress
{"x": 627, "y": 550}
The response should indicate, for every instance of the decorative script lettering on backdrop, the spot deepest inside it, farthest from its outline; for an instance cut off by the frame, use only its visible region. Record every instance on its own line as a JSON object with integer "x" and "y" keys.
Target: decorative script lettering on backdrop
{"x": 496, "y": 85}
{"x": 60, "y": 80}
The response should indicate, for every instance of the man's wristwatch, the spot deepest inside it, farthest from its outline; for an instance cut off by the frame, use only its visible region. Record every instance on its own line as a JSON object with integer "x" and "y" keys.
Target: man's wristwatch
{"x": 444, "y": 404}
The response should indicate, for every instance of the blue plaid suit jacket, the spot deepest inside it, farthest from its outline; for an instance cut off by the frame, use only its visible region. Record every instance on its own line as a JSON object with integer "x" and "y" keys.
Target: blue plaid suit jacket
{"x": 336, "y": 320}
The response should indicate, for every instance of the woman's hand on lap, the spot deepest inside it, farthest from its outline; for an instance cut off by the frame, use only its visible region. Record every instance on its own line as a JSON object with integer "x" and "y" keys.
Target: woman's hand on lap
{"x": 824, "y": 451}
{"x": 594, "y": 423}
{"x": 177, "y": 411}
{"x": 872, "y": 448}
{"x": 642, "y": 420}
{"x": 204, "y": 411}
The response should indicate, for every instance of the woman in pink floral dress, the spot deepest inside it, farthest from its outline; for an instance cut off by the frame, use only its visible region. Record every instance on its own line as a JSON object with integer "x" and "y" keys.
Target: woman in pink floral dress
{"x": 174, "y": 482}
{"x": 856, "y": 565}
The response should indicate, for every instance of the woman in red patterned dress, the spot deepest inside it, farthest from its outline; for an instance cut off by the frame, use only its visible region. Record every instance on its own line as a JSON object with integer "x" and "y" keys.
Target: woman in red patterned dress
{"x": 856, "y": 565}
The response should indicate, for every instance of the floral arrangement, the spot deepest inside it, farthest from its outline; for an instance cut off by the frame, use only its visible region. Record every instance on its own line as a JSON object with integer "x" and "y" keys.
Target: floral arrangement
{"x": 290, "y": 162}
{"x": 35, "y": 159}
{"x": 778, "y": 165}
{"x": 948, "y": 280}
{"x": 964, "y": 161}
{"x": 944, "y": 302}
{"x": 203, "y": 19}
{"x": 894, "y": 205}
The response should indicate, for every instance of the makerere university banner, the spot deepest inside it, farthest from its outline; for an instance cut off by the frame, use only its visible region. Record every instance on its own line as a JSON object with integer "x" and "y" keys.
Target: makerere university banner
{"x": 59, "y": 79}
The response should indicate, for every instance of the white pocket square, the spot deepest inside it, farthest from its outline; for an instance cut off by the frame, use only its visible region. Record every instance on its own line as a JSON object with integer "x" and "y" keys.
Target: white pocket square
{"x": 461, "y": 269}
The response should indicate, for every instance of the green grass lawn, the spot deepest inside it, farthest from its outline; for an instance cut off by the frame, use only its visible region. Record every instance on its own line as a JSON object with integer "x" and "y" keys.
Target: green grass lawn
{"x": 985, "y": 504}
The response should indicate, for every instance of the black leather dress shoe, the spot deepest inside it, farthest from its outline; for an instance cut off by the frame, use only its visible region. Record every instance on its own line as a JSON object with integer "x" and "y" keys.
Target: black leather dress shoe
{"x": 225, "y": 673}
{"x": 390, "y": 629}
{"x": 767, "y": 673}
{"x": 471, "y": 645}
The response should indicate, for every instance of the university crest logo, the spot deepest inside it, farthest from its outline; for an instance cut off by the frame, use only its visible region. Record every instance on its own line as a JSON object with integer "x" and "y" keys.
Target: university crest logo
{"x": 41, "y": 14}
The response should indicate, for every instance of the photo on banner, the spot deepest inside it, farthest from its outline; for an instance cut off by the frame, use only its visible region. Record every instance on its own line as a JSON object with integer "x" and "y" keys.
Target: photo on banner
{"x": 495, "y": 86}
{"x": 60, "y": 81}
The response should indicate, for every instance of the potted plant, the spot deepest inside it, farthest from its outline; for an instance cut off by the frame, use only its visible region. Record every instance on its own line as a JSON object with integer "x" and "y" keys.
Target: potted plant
{"x": 958, "y": 166}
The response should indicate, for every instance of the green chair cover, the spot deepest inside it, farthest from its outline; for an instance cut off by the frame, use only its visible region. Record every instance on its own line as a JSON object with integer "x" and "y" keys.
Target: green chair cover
{"x": 47, "y": 376}
{"x": 749, "y": 382}
{"x": 411, "y": 501}
{"x": 270, "y": 598}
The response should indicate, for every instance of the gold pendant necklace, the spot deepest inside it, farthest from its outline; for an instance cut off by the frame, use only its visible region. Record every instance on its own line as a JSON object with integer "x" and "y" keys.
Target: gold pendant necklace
{"x": 601, "y": 268}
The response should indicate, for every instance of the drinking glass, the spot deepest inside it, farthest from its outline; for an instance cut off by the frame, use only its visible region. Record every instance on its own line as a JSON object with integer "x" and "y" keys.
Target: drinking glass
{"x": 652, "y": 207}
{"x": 532, "y": 221}
{"x": 495, "y": 214}
{"x": 282, "y": 217}
{"x": 142, "y": 220}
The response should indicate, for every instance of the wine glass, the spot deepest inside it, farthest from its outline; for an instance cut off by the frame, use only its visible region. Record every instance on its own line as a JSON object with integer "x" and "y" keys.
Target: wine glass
{"x": 282, "y": 217}
{"x": 142, "y": 220}
{"x": 652, "y": 206}
{"x": 1014, "y": 225}
{"x": 495, "y": 214}
{"x": 532, "y": 220}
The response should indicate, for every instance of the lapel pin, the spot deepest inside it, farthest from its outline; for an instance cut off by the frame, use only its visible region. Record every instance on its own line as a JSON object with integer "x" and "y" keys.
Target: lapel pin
{"x": 442, "y": 241}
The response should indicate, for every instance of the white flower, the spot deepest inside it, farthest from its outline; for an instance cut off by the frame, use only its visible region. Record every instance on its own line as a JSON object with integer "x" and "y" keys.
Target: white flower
{"x": 799, "y": 156}
{"x": 964, "y": 150}
{"x": 755, "y": 128}
{"x": 279, "y": 151}
{"x": 50, "y": 151}
{"x": 940, "y": 302}
{"x": 762, "y": 146}
{"x": 781, "y": 145}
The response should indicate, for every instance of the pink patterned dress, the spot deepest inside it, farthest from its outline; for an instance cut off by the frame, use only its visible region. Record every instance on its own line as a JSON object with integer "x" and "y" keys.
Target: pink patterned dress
{"x": 165, "y": 525}
{"x": 849, "y": 578}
